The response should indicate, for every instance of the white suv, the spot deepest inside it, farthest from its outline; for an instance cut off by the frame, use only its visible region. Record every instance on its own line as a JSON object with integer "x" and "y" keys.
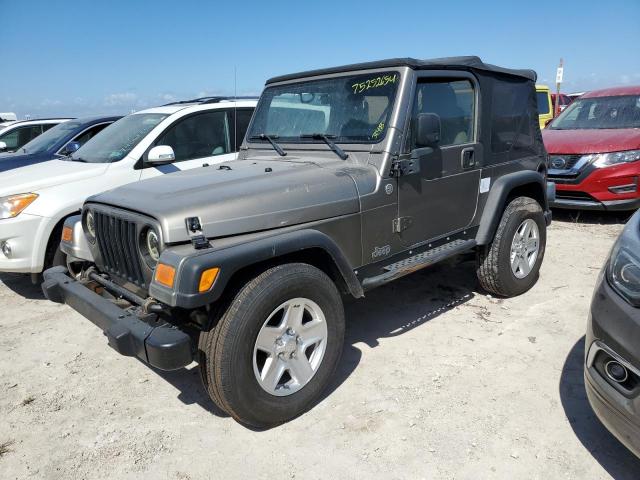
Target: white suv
{"x": 36, "y": 199}
{"x": 13, "y": 135}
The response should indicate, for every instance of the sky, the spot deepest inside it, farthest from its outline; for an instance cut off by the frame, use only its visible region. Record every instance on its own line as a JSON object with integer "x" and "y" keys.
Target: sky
{"x": 74, "y": 58}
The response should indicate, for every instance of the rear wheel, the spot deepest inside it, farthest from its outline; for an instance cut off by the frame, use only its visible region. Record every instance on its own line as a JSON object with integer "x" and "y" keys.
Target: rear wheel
{"x": 276, "y": 347}
{"x": 510, "y": 265}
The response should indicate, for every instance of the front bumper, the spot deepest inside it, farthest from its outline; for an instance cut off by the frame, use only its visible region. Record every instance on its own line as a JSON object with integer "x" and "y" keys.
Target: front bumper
{"x": 151, "y": 340}
{"x": 586, "y": 204}
{"x": 25, "y": 235}
{"x": 613, "y": 330}
{"x": 609, "y": 188}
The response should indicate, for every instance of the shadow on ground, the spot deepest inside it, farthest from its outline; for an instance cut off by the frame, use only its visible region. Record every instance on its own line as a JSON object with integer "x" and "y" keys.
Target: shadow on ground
{"x": 619, "y": 462}
{"x": 388, "y": 311}
{"x": 591, "y": 217}
{"x": 21, "y": 284}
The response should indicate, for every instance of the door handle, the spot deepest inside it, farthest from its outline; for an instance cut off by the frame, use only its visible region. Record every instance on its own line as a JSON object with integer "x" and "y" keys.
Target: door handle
{"x": 468, "y": 158}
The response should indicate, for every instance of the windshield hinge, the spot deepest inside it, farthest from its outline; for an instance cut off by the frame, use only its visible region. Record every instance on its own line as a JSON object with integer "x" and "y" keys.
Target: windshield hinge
{"x": 403, "y": 166}
{"x": 401, "y": 223}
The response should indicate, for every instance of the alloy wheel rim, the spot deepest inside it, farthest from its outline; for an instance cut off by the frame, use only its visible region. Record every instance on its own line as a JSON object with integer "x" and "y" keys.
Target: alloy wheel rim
{"x": 290, "y": 346}
{"x": 525, "y": 248}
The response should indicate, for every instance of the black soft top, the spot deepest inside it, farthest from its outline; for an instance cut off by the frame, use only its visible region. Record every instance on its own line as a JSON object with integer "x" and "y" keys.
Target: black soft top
{"x": 455, "y": 63}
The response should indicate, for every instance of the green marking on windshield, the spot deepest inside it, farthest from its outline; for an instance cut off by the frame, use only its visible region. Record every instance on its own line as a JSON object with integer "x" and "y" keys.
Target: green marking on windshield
{"x": 378, "y": 130}
{"x": 375, "y": 82}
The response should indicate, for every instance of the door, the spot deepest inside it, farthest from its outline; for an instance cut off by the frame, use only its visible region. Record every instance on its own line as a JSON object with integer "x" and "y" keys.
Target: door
{"x": 197, "y": 139}
{"x": 441, "y": 196}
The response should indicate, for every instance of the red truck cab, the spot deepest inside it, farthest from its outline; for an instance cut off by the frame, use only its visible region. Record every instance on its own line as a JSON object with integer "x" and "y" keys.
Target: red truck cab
{"x": 594, "y": 151}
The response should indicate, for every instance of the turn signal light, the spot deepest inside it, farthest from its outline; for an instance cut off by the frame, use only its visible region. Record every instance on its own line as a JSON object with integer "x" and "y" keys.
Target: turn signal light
{"x": 207, "y": 278}
{"x": 67, "y": 234}
{"x": 165, "y": 275}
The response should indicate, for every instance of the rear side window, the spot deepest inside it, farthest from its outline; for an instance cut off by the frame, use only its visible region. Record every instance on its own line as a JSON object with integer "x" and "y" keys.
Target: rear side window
{"x": 20, "y": 136}
{"x": 513, "y": 119}
{"x": 453, "y": 101}
{"x": 199, "y": 136}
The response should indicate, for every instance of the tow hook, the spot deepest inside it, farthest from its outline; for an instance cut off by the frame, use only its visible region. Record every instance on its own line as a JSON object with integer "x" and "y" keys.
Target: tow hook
{"x": 152, "y": 306}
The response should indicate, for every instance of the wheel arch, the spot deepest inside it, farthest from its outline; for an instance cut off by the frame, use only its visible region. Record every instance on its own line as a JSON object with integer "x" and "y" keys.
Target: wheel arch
{"x": 518, "y": 184}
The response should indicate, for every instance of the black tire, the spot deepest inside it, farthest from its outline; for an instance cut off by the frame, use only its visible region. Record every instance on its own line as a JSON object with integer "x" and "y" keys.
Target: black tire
{"x": 493, "y": 260}
{"x": 226, "y": 351}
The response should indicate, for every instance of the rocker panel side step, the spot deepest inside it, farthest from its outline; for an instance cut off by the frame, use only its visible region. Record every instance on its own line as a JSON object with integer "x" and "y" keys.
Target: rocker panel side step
{"x": 416, "y": 262}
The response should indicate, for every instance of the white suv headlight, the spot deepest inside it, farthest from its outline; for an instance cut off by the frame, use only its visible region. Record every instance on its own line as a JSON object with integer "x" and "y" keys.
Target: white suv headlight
{"x": 12, "y": 205}
{"x": 614, "y": 158}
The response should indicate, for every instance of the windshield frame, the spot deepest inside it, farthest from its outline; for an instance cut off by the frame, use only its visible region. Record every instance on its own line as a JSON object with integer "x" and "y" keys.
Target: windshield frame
{"x": 310, "y": 143}
{"x": 580, "y": 100}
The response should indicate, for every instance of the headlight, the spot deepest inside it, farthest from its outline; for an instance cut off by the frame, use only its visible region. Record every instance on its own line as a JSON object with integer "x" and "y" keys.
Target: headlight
{"x": 624, "y": 268}
{"x": 153, "y": 245}
{"x": 613, "y": 158}
{"x": 12, "y": 205}
{"x": 90, "y": 226}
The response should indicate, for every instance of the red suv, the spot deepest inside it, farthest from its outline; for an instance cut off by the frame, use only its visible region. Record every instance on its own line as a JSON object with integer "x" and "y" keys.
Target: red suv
{"x": 594, "y": 151}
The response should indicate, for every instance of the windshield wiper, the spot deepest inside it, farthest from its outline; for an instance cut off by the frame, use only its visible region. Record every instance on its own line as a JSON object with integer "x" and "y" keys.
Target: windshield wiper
{"x": 270, "y": 139}
{"x": 77, "y": 159}
{"x": 327, "y": 139}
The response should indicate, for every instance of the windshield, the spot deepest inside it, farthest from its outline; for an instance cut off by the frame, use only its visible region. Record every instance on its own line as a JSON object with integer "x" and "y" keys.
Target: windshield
{"x": 48, "y": 139}
{"x": 118, "y": 139}
{"x": 543, "y": 102}
{"x": 600, "y": 113}
{"x": 351, "y": 109}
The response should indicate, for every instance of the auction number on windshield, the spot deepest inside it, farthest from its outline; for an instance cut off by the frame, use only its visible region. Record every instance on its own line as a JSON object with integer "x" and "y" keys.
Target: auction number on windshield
{"x": 376, "y": 82}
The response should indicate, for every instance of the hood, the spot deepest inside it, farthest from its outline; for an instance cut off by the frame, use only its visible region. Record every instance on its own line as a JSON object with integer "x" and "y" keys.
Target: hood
{"x": 14, "y": 160}
{"x": 240, "y": 197}
{"x": 46, "y": 174}
{"x": 591, "y": 141}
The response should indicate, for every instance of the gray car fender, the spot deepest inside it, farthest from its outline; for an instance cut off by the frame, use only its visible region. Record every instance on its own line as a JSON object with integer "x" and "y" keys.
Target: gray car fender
{"x": 232, "y": 259}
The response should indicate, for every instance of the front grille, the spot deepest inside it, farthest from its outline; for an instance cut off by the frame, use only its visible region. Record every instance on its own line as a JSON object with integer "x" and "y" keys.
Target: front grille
{"x": 569, "y": 161}
{"x": 117, "y": 241}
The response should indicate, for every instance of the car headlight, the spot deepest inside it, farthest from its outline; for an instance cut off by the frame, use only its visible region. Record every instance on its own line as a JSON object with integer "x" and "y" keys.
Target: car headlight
{"x": 153, "y": 245}
{"x": 12, "y": 205}
{"x": 90, "y": 226}
{"x": 623, "y": 272}
{"x": 614, "y": 158}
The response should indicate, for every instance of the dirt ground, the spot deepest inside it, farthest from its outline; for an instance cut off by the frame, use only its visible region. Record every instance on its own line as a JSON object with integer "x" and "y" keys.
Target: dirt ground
{"x": 437, "y": 380}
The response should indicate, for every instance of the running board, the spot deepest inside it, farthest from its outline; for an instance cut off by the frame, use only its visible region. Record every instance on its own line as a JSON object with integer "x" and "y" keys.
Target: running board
{"x": 418, "y": 261}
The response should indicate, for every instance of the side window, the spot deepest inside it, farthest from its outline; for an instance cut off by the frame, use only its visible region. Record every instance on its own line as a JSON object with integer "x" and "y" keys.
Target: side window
{"x": 513, "y": 122}
{"x": 89, "y": 134}
{"x": 20, "y": 136}
{"x": 47, "y": 126}
{"x": 198, "y": 136}
{"x": 243, "y": 117}
{"x": 453, "y": 101}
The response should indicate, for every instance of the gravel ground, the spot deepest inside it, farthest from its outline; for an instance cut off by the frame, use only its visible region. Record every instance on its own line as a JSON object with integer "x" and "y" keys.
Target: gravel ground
{"x": 437, "y": 380}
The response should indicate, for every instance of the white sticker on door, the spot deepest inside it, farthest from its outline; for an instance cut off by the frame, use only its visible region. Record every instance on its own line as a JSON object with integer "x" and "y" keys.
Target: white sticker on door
{"x": 485, "y": 183}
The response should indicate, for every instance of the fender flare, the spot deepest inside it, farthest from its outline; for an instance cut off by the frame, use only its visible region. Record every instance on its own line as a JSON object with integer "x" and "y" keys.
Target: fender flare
{"x": 494, "y": 207}
{"x": 232, "y": 259}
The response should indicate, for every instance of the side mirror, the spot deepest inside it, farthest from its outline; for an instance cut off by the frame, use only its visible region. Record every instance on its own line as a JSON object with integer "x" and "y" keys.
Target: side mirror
{"x": 3, "y": 146}
{"x": 161, "y": 155}
{"x": 71, "y": 147}
{"x": 428, "y": 129}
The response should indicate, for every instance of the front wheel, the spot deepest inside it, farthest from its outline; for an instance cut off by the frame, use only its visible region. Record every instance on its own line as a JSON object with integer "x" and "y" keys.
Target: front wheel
{"x": 510, "y": 265}
{"x": 276, "y": 347}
